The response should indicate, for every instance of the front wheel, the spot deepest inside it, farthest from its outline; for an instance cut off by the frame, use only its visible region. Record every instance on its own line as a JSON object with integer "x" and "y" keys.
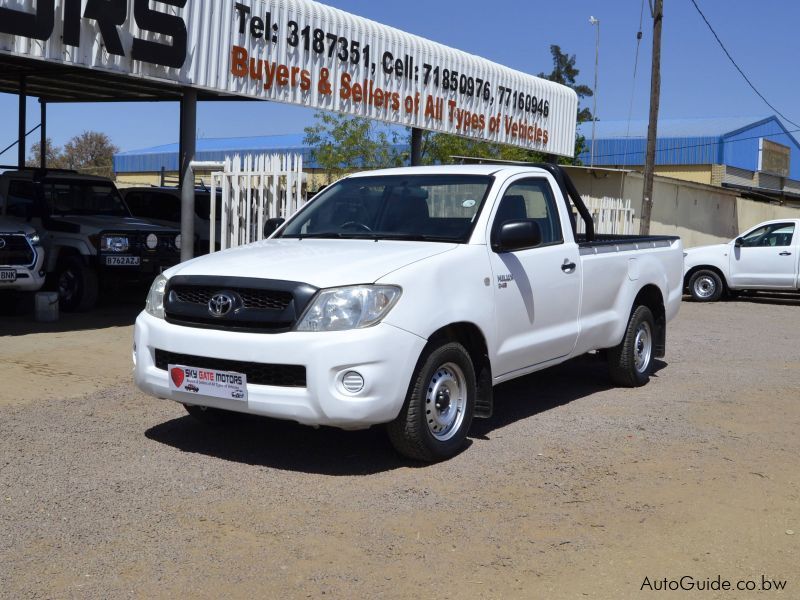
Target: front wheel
{"x": 77, "y": 285}
{"x": 631, "y": 362}
{"x": 706, "y": 286}
{"x": 437, "y": 413}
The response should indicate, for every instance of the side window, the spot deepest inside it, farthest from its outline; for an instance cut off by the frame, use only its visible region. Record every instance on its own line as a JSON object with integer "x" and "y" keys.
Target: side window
{"x": 531, "y": 199}
{"x": 20, "y": 198}
{"x": 770, "y": 236}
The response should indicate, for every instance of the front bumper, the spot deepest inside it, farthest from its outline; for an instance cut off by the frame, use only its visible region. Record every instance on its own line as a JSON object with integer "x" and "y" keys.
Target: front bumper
{"x": 384, "y": 355}
{"x": 29, "y": 279}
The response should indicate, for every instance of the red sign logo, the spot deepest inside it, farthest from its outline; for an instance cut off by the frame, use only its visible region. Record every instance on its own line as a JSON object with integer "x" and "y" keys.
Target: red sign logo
{"x": 177, "y": 376}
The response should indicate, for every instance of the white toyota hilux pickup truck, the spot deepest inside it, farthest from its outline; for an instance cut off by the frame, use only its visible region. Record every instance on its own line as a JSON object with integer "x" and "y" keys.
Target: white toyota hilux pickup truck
{"x": 765, "y": 257}
{"x": 401, "y": 297}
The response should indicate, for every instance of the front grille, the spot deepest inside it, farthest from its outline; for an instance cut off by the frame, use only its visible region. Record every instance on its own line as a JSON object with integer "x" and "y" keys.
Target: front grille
{"x": 15, "y": 250}
{"x": 257, "y": 373}
{"x": 251, "y": 298}
{"x": 257, "y": 305}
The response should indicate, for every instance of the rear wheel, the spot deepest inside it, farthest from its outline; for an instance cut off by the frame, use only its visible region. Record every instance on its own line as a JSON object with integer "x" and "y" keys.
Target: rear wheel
{"x": 631, "y": 362}
{"x": 77, "y": 285}
{"x": 437, "y": 413}
{"x": 706, "y": 286}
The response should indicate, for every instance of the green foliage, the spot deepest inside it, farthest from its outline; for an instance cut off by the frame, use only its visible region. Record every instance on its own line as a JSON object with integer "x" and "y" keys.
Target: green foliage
{"x": 90, "y": 152}
{"x": 566, "y": 73}
{"x": 340, "y": 144}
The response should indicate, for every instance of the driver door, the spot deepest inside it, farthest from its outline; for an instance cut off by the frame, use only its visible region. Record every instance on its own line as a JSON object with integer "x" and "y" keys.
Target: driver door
{"x": 765, "y": 258}
{"x": 537, "y": 290}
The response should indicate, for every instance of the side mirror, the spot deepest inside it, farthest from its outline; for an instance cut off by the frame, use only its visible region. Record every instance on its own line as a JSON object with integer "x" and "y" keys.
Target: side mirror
{"x": 739, "y": 242}
{"x": 517, "y": 235}
{"x": 272, "y": 225}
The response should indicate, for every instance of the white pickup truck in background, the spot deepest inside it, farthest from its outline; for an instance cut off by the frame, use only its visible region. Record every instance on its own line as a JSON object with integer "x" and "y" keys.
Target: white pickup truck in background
{"x": 401, "y": 297}
{"x": 766, "y": 257}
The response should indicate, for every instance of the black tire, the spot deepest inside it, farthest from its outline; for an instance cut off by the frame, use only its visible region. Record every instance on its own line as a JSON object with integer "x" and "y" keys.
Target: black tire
{"x": 631, "y": 362}
{"x": 208, "y": 415}
{"x": 443, "y": 371}
{"x": 706, "y": 286}
{"x": 76, "y": 284}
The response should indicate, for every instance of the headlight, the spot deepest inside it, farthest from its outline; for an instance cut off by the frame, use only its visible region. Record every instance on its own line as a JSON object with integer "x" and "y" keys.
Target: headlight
{"x": 155, "y": 298}
{"x": 34, "y": 239}
{"x": 357, "y": 307}
{"x": 178, "y": 241}
{"x": 114, "y": 243}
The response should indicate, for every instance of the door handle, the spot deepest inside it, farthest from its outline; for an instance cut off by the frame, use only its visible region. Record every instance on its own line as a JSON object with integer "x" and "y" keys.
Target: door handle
{"x": 785, "y": 253}
{"x": 568, "y": 267}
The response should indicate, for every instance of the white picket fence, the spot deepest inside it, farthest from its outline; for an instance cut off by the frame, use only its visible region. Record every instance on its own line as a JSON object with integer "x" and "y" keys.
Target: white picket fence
{"x": 254, "y": 189}
{"x": 610, "y": 215}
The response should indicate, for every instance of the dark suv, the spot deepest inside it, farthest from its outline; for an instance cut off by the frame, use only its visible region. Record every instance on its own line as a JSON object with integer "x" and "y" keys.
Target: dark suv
{"x": 88, "y": 233}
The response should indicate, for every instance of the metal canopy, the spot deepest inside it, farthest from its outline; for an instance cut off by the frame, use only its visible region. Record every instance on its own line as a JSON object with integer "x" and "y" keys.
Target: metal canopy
{"x": 53, "y": 82}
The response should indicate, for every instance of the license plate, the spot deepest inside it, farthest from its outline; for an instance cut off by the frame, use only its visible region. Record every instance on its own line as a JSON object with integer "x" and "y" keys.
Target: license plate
{"x": 8, "y": 275}
{"x": 123, "y": 261}
{"x": 208, "y": 382}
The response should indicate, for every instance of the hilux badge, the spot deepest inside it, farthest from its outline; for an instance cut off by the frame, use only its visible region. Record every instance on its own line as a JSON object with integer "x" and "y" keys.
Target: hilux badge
{"x": 220, "y": 305}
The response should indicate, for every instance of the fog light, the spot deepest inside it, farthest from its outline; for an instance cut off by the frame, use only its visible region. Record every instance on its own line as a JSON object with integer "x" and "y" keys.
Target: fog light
{"x": 353, "y": 382}
{"x": 152, "y": 241}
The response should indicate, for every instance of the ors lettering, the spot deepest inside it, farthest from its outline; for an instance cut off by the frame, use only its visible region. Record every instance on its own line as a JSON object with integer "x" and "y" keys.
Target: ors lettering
{"x": 109, "y": 16}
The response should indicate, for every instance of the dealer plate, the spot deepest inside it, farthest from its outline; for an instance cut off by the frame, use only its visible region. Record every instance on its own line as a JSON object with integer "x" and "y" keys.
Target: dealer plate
{"x": 123, "y": 261}
{"x": 208, "y": 382}
{"x": 8, "y": 275}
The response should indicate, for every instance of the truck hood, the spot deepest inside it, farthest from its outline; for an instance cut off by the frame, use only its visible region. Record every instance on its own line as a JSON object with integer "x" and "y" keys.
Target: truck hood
{"x": 321, "y": 263}
{"x": 715, "y": 254}
{"x": 89, "y": 224}
{"x": 15, "y": 226}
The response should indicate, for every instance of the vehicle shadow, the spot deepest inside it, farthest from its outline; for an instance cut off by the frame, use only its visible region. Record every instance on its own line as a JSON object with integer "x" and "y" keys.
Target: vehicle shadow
{"x": 326, "y": 451}
{"x": 774, "y": 298}
{"x": 116, "y": 308}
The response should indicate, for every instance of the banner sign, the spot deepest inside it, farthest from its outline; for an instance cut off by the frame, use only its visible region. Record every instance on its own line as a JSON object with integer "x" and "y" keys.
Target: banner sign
{"x": 298, "y": 52}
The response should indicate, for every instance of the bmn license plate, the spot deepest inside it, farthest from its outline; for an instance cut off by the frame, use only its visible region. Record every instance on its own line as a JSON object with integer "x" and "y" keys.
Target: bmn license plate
{"x": 123, "y": 261}
{"x": 8, "y": 275}
{"x": 208, "y": 382}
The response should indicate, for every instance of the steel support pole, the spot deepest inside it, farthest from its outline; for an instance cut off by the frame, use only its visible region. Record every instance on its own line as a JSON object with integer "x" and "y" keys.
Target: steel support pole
{"x": 23, "y": 118}
{"x": 416, "y": 147}
{"x": 43, "y": 133}
{"x": 187, "y": 151}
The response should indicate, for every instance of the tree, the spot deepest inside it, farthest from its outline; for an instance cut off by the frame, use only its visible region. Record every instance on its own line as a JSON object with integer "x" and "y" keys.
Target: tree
{"x": 340, "y": 143}
{"x": 90, "y": 152}
{"x": 53, "y": 154}
{"x": 566, "y": 73}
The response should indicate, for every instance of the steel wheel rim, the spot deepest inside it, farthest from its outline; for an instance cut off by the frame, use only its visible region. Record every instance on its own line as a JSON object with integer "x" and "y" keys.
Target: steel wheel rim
{"x": 705, "y": 286}
{"x": 642, "y": 347}
{"x": 446, "y": 401}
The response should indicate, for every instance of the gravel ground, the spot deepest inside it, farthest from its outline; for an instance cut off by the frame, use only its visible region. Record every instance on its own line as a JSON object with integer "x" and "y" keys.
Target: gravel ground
{"x": 574, "y": 489}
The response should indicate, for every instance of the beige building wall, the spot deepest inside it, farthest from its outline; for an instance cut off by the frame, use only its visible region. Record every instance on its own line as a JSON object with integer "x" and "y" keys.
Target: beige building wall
{"x": 752, "y": 213}
{"x": 694, "y": 173}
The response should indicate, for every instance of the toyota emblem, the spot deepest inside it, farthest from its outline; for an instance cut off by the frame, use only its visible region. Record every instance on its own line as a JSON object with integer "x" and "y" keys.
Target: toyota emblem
{"x": 220, "y": 304}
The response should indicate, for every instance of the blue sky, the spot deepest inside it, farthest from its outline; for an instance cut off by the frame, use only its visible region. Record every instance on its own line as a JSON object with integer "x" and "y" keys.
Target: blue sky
{"x": 698, "y": 80}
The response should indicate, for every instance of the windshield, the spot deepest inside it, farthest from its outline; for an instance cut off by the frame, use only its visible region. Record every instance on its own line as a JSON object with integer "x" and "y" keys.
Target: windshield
{"x": 441, "y": 208}
{"x": 83, "y": 198}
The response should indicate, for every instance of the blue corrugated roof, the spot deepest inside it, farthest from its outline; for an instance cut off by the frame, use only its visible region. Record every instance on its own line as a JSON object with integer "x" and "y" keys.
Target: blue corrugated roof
{"x": 732, "y": 141}
{"x": 151, "y": 160}
{"x": 671, "y": 128}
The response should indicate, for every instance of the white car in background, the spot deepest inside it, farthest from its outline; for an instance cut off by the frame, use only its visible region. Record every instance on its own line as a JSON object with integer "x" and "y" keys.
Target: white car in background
{"x": 21, "y": 257}
{"x": 766, "y": 257}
